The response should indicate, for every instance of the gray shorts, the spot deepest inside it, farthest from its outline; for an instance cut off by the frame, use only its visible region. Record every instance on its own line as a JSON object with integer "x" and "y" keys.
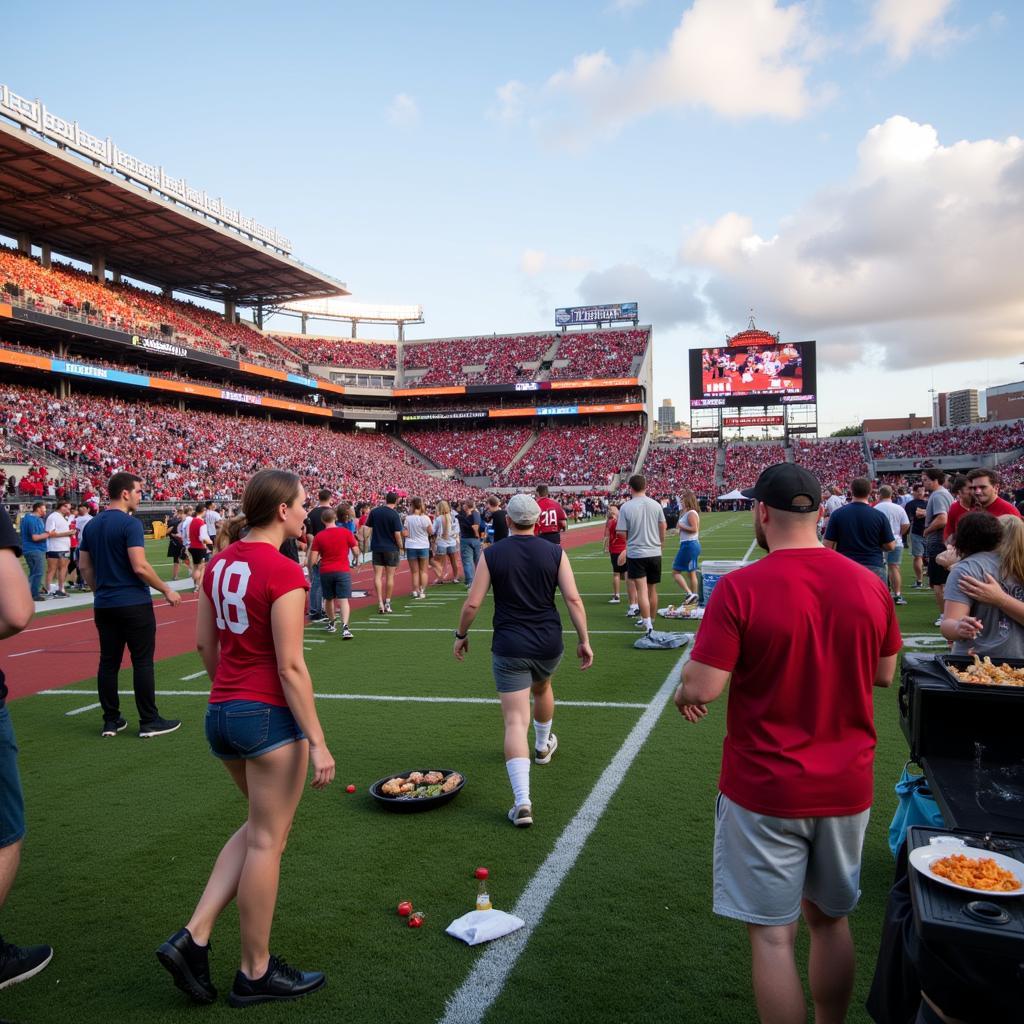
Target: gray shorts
{"x": 764, "y": 866}
{"x": 917, "y": 545}
{"x": 514, "y": 674}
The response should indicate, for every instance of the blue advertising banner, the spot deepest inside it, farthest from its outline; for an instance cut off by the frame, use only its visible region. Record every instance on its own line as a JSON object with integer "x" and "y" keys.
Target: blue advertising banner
{"x": 306, "y": 381}
{"x": 99, "y": 373}
{"x": 557, "y": 410}
{"x": 569, "y": 315}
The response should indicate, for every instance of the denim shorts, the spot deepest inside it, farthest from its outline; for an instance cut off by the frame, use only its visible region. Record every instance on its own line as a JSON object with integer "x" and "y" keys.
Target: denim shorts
{"x": 239, "y": 729}
{"x": 514, "y": 674}
{"x": 423, "y": 553}
{"x": 12, "y": 806}
{"x": 894, "y": 557}
{"x": 335, "y": 585}
{"x": 917, "y": 545}
{"x": 686, "y": 556}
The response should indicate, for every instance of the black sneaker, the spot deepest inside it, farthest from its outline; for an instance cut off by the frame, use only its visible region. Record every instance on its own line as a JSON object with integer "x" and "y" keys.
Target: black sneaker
{"x": 19, "y": 963}
{"x": 189, "y": 965}
{"x": 112, "y": 728}
{"x": 281, "y": 982}
{"x": 158, "y": 727}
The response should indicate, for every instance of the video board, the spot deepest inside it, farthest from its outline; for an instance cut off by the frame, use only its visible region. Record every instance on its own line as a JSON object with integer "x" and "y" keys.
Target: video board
{"x": 763, "y": 374}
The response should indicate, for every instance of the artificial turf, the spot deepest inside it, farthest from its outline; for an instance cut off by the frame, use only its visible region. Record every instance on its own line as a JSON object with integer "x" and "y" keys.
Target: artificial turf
{"x": 122, "y": 834}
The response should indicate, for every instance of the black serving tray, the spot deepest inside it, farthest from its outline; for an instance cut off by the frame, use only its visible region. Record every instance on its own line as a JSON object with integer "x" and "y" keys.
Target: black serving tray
{"x": 962, "y": 661}
{"x": 407, "y": 805}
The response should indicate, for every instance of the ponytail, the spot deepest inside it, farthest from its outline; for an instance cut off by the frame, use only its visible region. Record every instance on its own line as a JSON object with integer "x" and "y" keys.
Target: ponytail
{"x": 233, "y": 530}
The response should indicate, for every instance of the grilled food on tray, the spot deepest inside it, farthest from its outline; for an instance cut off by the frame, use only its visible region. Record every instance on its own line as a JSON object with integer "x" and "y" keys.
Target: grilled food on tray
{"x": 976, "y": 873}
{"x": 985, "y": 673}
{"x": 420, "y": 784}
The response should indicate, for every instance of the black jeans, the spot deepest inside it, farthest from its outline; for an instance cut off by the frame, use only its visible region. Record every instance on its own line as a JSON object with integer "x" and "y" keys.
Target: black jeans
{"x": 134, "y": 625}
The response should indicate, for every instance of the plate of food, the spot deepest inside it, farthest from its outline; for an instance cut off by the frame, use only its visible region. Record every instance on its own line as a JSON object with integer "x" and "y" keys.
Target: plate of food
{"x": 419, "y": 789}
{"x": 973, "y": 672}
{"x": 952, "y": 862}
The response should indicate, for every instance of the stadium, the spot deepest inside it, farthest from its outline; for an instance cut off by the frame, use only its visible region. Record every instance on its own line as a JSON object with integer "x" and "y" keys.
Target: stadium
{"x": 143, "y": 328}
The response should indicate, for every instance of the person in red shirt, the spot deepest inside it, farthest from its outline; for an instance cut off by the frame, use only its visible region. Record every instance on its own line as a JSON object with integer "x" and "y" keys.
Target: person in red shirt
{"x": 614, "y": 545}
{"x": 984, "y": 490}
{"x": 199, "y": 544}
{"x": 332, "y": 551}
{"x": 801, "y": 637}
{"x": 552, "y": 517}
{"x": 262, "y": 723}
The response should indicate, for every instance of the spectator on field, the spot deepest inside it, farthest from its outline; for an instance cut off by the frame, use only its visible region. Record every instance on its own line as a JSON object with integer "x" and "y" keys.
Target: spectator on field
{"x": 982, "y": 488}
{"x": 963, "y": 502}
{"x": 58, "y": 548}
{"x": 331, "y": 555}
{"x": 175, "y": 549}
{"x": 33, "y": 547}
{"x": 796, "y": 781}
{"x": 642, "y": 524}
{"x": 385, "y": 526}
{"x": 417, "y": 545}
{"x": 314, "y": 524}
{"x": 915, "y": 509}
{"x": 859, "y": 531}
{"x": 499, "y": 520}
{"x": 935, "y": 515}
{"x": 469, "y": 540}
{"x": 17, "y": 963}
{"x": 899, "y": 526}
{"x": 552, "y": 516}
{"x": 113, "y": 558}
{"x": 614, "y": 545}
{"x": 446, "y": 543}
{"x": 689, "y": 547}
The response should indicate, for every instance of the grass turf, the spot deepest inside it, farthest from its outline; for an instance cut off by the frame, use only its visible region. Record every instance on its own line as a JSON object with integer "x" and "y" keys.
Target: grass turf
{"x": 122, "y": 834}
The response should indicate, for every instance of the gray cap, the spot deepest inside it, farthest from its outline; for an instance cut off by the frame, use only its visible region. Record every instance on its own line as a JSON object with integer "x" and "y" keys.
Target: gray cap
{"x": 523, "y": 510}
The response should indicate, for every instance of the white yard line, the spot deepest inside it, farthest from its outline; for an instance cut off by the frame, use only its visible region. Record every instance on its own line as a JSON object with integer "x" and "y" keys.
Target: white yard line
{"x": 380, "y": 697}
{"x": 195, "y": 675}
{"x": 21, "y": 654}
{"x": 82, "y": 710}
{"x": 750, "y": 550}
{"x": 471, "y": 1001}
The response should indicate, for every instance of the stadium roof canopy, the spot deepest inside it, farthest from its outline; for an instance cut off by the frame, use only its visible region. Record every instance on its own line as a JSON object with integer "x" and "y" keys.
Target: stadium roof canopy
{"x": 81, "y": 209}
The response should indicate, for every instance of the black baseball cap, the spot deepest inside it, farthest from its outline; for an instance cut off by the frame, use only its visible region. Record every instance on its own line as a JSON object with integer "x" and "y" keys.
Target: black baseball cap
{"x": 780, "y": 486}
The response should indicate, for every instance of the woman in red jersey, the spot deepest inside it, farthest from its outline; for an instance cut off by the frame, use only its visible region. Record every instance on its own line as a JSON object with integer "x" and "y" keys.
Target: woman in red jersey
{"x": 262, "y": 723}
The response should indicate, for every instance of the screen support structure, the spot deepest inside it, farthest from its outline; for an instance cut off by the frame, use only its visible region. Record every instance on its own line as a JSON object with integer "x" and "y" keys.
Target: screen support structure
{"x": 725, "y": 423}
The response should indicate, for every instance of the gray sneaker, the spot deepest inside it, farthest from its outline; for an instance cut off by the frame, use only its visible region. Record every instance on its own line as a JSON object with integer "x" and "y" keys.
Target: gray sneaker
{"x": 544, "y": 756}
{"x": 521, "y": 816}
{"x": 346, "y": 633}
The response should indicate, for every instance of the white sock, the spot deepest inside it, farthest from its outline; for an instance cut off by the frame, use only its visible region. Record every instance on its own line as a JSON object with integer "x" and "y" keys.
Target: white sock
{"x": 518, "y": 769}
{"x": 52, "y": 589}
{"x": 542, "y": 732}
{"x": 648, "y": 624}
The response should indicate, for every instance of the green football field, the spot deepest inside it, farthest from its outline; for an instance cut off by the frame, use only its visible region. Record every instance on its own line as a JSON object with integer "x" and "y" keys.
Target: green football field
{"x": 614, "y": 877}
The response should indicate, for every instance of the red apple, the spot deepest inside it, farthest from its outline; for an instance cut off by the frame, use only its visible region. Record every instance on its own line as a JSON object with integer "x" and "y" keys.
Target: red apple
{"x": 404, "y": 908}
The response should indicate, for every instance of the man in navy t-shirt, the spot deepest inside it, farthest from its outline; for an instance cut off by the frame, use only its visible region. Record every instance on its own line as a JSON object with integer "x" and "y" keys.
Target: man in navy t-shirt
{"x": 861, "y": 532}
{"x": 113, "y": 562}
{"x": 385, "y": 547}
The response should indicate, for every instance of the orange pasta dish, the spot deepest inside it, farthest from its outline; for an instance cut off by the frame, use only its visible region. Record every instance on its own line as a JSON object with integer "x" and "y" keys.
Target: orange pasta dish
{"x": 981, "y": 873}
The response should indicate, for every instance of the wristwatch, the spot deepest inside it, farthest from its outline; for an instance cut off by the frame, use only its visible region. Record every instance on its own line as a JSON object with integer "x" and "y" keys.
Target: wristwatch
{"x": 460, "y": 636}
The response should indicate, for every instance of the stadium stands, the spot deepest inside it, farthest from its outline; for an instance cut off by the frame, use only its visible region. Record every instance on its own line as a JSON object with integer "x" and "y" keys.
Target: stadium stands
{"x": 593, "y": 354}
{"x": 832, "y": 461}
{"x": 672, "y": 470}
{"x": 470, "y": 452}
{"x": 340, "y": 352}
{"x": 950, "y": 441}
{"x": 575, "y": 456}
{"x": 743, "y": 462}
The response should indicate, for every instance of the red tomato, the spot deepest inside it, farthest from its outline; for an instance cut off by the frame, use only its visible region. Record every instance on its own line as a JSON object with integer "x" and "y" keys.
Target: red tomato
{"x": 350, "y": 789}
{"x": 416, "y": 920}
{"x": 482, "y": 873}
{"x": 404, "y": 908}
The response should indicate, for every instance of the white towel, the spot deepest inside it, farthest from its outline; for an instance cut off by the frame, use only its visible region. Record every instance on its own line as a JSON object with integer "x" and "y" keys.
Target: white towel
{"x": 483, "y": 925}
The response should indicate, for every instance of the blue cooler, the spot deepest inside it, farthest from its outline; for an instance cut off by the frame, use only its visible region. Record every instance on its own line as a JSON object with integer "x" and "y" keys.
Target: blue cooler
{"x": 711, "y": 573}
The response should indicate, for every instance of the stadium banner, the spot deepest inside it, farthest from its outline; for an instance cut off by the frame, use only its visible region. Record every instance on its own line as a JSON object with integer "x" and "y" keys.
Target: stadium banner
{"x": 160, "y": 347}
{"x": 557, "y": 410}
{"x": 614, "y": 407}
{"x": 276, "y": 403}
{"x": 598, "y": 382}
{"x": 563, "y": 410}
{"x": 262, "y": 371}
{"x": 461, "y": 415}
{"x": 183, "y": 389}
{"x": 753, "y": 421}
{"x": 240, "y": 396}
{"x": 528, "y": 410}
{"x": 25, "y": 359}
{"x": 326, "y": 385}
{"x": 308, "y": 382}
{"x": 99, "y": 373}
{"x": 568, "y": 315}
{"x": 497, "y": 389}
{"x": 411, "y": 392}
{"x": 5, "y": 310}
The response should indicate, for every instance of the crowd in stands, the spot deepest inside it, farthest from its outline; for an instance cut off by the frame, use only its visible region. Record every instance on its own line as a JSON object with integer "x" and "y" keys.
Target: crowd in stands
{"x": 949, "y": 441}
{"x": 193, "y": 455}
{"x": 580, "y": 456}
{"x": 340, "y": 352}
{"x": 677, "y": 468}
{"x": 744, "y": 462}
{"x": 469, "y": 452}
{"x": 832, "y": 461}
{"x": 593, "y": 354}
{"x": 497, "y": 359}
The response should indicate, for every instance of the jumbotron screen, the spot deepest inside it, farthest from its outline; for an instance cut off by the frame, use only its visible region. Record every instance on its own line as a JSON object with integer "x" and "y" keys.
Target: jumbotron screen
{"x": 783, "y": 372}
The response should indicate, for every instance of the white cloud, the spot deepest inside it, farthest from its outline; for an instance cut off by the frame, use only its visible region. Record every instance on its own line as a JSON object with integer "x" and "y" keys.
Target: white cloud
{"x": 532, "y": 261}
{"x": 738, "y": 58}
{"x": 403, "y": 110}
{"x": 535, "y": 261}
{"x": 511, "y": 101}
{"x": 662, "y": 301}
{"x": 917, "y": 253}
{"x": 902, "y": 26}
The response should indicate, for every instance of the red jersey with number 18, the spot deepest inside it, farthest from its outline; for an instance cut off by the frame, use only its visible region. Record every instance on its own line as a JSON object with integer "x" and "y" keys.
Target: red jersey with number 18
{"x": 552, "y": 517}
{"x": 242, "y": 582}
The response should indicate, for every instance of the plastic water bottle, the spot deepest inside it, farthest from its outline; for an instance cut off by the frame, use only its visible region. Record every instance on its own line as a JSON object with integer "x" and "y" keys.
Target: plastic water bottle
{"x": 483, "y": 898}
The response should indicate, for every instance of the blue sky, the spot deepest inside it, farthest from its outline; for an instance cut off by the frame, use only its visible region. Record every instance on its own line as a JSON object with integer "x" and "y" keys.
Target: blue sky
{"x": 849, "y": 169}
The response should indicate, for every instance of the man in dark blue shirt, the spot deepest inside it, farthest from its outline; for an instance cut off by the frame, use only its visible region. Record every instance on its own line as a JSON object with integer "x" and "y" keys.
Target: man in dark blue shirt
{"x": 915, "y": 509}
{"x": 33, "y": 547}
{"x": 527, "y": 644}
{"x": 385, "y": 525}
{"x": 113, "y": 562}
{"x": 859, "y": 531}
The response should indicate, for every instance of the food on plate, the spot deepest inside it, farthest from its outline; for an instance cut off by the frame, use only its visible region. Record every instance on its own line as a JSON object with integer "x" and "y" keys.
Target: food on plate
{"x": 983, "y": 672}
{"x": 976, "y": 873}
{"x": 421, "y": 784}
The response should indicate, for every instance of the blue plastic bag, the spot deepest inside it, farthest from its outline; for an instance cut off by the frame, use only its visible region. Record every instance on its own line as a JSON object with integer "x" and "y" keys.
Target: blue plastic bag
{"x": 916, "y": 806}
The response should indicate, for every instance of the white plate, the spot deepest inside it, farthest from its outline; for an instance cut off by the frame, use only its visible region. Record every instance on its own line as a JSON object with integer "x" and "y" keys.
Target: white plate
{"x": 924, "y": 856}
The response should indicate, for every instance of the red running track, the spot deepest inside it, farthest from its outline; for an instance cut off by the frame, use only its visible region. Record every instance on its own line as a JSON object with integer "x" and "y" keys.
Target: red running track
{"x": 61, "y": 649}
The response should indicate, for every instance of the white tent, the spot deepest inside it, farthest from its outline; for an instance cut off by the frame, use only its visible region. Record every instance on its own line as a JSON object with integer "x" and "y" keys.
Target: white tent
{"x": 734, "y": 496}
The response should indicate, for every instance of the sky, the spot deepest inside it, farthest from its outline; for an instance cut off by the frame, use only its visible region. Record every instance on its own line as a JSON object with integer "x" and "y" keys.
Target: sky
{"x": 850, "y": 170}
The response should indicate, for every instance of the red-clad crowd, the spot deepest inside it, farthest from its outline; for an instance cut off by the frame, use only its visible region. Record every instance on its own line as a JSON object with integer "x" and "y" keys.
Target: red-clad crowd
{"x": 575, "y": 457}
{"x": 341, "y": 352}
{"x": 744, "y": 462}
{"x": 595, "y": 354}
{"x": 950, "y": 441}
{"x": 686, "y": 467}
{"x": 832, "y": 461}
{"x": 469, "y": 452}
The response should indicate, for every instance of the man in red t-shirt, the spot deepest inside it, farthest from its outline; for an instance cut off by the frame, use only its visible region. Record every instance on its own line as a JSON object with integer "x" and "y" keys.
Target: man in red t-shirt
{"x": 984, "y": 486}
{"x": 331, "y": 551}
{"x": 803, "y": 634}
{"x": 552, "y": 517}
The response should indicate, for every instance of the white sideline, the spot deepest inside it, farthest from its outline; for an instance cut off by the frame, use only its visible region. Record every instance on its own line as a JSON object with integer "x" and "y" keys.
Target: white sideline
{"x": 79, "y": 711}
{"x": 383, "y": 697}
{"x": 474, "y": 997}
